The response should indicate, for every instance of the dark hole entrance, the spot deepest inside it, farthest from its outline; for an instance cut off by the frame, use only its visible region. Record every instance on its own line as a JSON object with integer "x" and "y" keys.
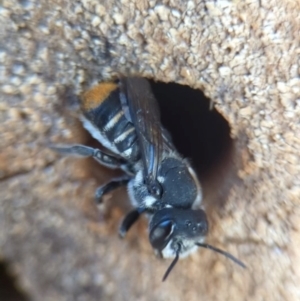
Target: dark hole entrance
{"x": 199, "y": 132}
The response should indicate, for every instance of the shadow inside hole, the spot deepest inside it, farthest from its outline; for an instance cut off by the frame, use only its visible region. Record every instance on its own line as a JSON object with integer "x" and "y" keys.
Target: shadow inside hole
{"x": 200, "y": 133}
{"x": 9, "y": 290}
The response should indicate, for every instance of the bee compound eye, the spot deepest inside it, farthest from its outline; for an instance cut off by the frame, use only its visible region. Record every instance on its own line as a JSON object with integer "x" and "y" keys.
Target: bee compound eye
{"x": 160, "y": 234}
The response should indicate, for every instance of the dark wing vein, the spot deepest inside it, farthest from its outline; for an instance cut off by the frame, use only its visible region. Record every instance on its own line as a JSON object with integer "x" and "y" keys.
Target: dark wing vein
{"x": 144, "y": 113}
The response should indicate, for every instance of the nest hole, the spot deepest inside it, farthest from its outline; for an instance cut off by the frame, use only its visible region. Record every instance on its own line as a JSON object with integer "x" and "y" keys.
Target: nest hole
{"x": 201, "y": 134}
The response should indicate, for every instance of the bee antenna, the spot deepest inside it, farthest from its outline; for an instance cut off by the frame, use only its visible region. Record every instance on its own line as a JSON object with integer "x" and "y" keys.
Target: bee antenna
{"x": 226, "y": 254}
{"x": 170, "y": 268}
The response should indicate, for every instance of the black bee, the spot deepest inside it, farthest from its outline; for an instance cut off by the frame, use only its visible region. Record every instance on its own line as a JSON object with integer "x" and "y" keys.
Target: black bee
{"x": 125, "y": 118}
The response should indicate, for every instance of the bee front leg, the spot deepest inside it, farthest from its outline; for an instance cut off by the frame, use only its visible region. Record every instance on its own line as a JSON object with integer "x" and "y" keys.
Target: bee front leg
{"x": 129, "y": 219}
{"x": 86, "y": 151}
{"x": 108, "y": 187}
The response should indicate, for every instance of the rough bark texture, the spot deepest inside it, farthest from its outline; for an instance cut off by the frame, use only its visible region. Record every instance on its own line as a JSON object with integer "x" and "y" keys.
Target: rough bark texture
{"x": 244, "y": 55}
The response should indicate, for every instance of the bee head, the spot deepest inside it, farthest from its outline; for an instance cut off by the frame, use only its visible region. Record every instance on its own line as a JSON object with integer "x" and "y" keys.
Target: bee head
{"x": 175, "y": 232}
{"x": 178, "y": 232}
{"x": 172, "y": 229}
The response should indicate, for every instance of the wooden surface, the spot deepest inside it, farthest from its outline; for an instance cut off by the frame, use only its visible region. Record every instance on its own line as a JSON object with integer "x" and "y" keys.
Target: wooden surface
{"x": 244, "y": 55}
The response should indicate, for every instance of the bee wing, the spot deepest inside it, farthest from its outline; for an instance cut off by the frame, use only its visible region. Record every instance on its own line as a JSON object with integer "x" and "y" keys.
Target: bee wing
{"x": 141, "y": 107}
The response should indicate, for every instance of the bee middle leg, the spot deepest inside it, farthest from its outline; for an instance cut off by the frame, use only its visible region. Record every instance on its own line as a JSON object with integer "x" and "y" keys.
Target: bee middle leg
{"x": 131, "y": 217}
{"x": 108, "y": 187}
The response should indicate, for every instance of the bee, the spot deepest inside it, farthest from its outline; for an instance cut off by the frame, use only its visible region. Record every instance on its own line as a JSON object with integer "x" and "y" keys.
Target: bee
{"x": 125, "y": 118}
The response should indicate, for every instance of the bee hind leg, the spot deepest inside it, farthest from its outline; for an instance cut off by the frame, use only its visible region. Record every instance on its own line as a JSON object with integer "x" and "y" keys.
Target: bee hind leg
{"x": 108, "y": 187}
{"x": 86, "y": 151}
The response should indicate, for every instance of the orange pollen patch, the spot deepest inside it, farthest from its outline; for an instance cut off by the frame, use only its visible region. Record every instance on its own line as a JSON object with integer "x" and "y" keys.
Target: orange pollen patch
{"x": 92, "y": 98}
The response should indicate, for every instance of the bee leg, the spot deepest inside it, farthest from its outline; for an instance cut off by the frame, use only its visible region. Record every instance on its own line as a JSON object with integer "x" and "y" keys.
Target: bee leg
{"x": 106, "y": 188}
{"x": 86, "y": 151}
{"x": 130, "y": 218}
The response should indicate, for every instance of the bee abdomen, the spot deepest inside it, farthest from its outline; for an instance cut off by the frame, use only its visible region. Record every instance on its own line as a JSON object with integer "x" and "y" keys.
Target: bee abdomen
{"x": 123, "y": 136}
{"x": 114, "y": 130}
